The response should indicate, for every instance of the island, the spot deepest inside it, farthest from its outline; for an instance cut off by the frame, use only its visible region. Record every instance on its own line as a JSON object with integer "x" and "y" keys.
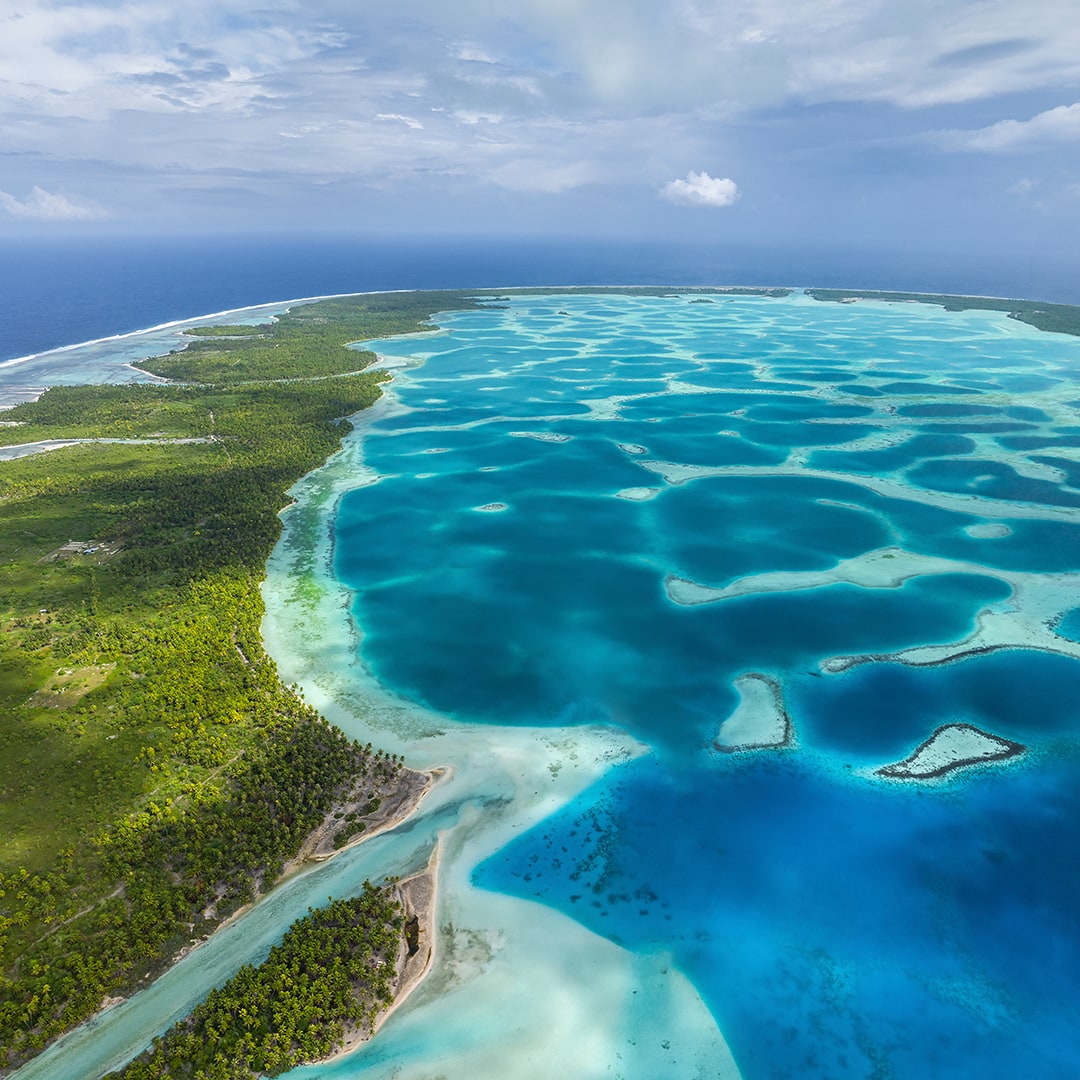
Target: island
{"x": 759, "y": 721}
{"x": 951, "y": 747}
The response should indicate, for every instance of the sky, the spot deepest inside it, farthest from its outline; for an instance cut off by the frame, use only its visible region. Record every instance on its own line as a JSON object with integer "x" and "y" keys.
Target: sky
{"x": 848, "y": 122}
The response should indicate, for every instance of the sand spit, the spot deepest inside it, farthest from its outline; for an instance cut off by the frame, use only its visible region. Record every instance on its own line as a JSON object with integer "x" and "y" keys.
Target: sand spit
{"x": 397, "y": 801}
{"x": 760, "y": 721}
{"x": 416, "y": 951}
{"x": 953, "y": 746}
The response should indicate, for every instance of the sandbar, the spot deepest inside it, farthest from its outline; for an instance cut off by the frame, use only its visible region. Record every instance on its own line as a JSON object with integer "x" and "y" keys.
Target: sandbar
{"x": 541, "y": 436}
{"x": 952, "y": 746}
{"x": 759, "y": 721}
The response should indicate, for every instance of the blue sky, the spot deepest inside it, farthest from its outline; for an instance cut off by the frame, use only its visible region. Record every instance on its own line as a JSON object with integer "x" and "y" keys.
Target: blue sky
{"x": 850, "y": 122}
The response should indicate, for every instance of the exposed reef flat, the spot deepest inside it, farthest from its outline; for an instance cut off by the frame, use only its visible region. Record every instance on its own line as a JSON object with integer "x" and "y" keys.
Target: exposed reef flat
{"x": 541, "y": 436}
{"x": 953, "y": 746}
{"x": 991, "y": 530}
{"x": 960, "y": 502}
{"x": 883, "y": 568}
{"x": 1026, "y": 621}
{"x": 759, "y": 721}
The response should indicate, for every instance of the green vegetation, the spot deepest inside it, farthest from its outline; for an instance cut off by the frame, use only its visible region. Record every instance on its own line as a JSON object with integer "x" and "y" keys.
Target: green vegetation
{"x": 332, "y": 971}
{"x": 1055, "y": 318}
{"x": 648, "y": 290}
{"x": 154, "y": 772}
{"x": 307, "y": 341}
{"x": 238, "y": 330}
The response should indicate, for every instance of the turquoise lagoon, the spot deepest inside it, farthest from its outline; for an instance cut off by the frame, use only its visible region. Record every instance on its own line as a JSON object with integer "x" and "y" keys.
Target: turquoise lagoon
{"x": 548, "y": 559}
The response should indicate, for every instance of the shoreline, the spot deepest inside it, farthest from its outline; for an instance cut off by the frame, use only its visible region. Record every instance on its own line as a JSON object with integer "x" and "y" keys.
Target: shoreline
{"x": 972, "y": 746}
{"x": 418, "y": 896}
{"x": 318, "y": 846}
{"x": 794, "y": 290}
{"x": 171, "y": 324}
{"x": 312, "y": 853}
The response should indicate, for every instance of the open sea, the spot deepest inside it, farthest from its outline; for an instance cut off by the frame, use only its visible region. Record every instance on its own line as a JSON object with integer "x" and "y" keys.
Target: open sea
{"x": 665, "y": 582}
{"x": 58, "y": 291}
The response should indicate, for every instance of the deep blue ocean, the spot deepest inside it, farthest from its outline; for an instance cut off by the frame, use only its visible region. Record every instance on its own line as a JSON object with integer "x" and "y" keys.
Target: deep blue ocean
{"x": 59, "y": 291}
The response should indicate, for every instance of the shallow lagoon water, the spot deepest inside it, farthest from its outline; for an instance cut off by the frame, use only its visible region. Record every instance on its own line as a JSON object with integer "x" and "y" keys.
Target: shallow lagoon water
{"x": 946, "y": 950}
{"x": 483, "y": 579}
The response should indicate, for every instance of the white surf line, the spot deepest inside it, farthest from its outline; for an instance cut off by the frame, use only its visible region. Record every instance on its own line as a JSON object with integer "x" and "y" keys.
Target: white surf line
{"x": 174, "y": 324}
{"x": 974, "y": 504}
{"x": 270, "y": 307}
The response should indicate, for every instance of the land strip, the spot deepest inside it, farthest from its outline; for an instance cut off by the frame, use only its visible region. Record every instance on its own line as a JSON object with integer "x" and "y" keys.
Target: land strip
{"x": 155, "y": 776}
{"x": 1054, "y": 318}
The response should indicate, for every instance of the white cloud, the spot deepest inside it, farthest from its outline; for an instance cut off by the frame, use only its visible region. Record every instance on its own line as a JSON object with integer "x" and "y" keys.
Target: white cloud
{"x": 701, "y": 189}
{"x": 758, "y": 52}
{"x": 408, "y": 121}
{"x": 466, "y": 51}
{"x": 549, "y": 96}
{"x": 1058, "y": 125}
{"x": 41, "y": 205}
